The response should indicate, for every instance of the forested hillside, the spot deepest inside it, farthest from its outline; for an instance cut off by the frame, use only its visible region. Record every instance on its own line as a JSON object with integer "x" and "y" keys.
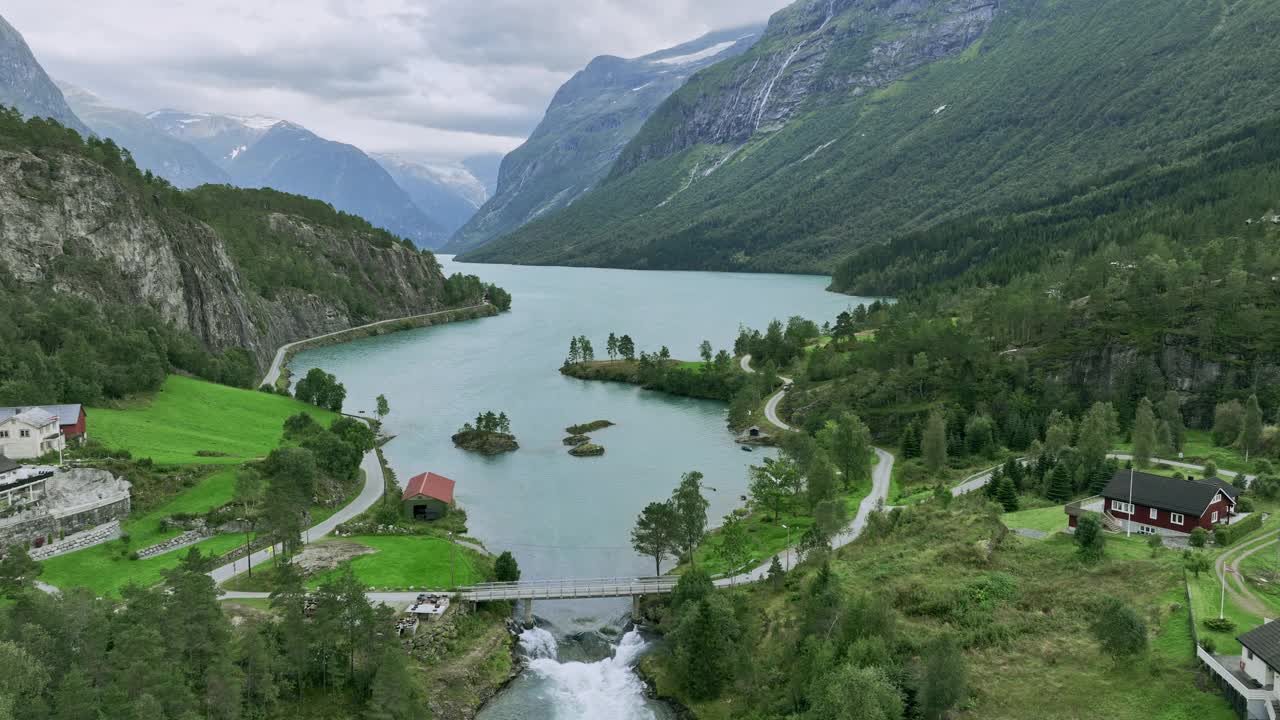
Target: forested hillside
{"x": 854, "y": 122}
{"x": 121, "y": 278}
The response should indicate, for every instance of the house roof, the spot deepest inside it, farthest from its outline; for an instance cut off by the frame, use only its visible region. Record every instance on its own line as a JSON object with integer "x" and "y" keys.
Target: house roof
{"x": 1189, "y": 497}
{"x": 430, "y": 485}
{"x": 1232, "y": 491}
{"x": 6, "y": 464}
{"x": 35, "y": 417}
{"x": 1264, "y": 641}
{"x": 66, "y": 414}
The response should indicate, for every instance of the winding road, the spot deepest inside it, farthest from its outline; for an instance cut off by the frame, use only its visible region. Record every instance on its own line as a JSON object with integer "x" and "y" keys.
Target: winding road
{"x": 1228, "y": 563}
{"x": 273, "y": 372}
{"x": 374, "y": 484}
{"x": 771, "y": 406}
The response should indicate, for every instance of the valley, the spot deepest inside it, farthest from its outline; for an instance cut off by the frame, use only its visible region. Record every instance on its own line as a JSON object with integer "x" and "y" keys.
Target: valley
{"x": 851, "y": 360}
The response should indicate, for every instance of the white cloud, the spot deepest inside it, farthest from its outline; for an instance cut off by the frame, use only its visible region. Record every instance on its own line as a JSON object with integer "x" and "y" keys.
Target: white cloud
{"x": 444, "y": 78}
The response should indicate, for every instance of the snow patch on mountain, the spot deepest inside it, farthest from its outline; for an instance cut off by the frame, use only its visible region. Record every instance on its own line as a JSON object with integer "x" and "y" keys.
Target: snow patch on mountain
{"x": 698, "y": 56}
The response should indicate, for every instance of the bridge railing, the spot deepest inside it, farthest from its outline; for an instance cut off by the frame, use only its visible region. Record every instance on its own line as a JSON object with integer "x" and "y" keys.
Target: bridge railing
{"x": 569, "y": 588}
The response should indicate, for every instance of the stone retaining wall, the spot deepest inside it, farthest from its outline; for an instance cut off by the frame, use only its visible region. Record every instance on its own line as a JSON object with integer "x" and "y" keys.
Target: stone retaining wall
{"x": 190, "y": 537}
{"x": 78, "y": 541}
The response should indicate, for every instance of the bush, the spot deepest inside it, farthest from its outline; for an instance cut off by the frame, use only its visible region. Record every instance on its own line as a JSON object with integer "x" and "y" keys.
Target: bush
{"x": 1228, "y": 534}
{"x": 1224, "y": 625}
{"x": 1198, "y": 537}
{"x": 1209, "y": 645}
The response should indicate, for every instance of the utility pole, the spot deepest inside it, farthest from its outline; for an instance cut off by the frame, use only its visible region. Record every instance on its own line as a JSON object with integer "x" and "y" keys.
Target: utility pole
{"x": 452, "y": 547}
{"x": 788, "y": 529}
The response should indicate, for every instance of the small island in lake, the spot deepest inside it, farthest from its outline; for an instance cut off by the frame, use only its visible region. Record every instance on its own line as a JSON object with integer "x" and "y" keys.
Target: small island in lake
{"x": 490, "y": 434}
{"x": 580, "y": 444}
{"x": 587, "y": 450}
{"x": 585, "y": 428}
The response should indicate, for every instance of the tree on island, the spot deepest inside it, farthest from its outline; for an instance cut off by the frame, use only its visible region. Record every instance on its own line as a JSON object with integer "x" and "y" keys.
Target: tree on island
{"x": 706, "y": 352}
{"x": 575, "y": 353}
{"x": 627, "y": 347}
{"x": 611, "y": 347}
{"x": 654, "y": 534}
{"x": 585, "y": 352}
{"x": 383, "y": 407}
{"x": 490, "y": 423}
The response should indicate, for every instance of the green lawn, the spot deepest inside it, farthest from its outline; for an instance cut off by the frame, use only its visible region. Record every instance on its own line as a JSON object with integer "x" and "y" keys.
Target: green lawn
{"x": 411, "y": 561}
{"x": 189, "y": 416}
{"x": 767, "y": 537}
{"x": 106, "y": 568}
{"x": 1047, "y": 519}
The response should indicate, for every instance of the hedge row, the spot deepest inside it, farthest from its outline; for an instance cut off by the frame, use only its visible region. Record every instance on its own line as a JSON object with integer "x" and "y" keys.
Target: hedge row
{"x": 1227, "y": 534}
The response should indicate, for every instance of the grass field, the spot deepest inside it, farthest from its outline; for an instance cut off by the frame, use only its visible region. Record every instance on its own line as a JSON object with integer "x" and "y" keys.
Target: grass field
{"x": 106, "y": 568}
{"x": 411, "y": 561}
{"x": 767, "y": 537}
{"x": 190, "y": 416}
{"x": 1047, "y": 519}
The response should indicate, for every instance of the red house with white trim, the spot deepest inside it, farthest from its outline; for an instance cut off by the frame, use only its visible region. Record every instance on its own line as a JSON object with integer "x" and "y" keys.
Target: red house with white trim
{"x": 1153, "y": 504}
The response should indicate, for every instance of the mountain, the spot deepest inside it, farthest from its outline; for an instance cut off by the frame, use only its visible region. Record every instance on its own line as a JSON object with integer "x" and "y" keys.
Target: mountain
{"x": 258, "y": 151}
{"x": 853, "y": 121}
{"x": 448, "y": 193}
{"x": 152, "y": 148}
{"x": 232, "y": 268}
{"x": 590, "y": 120}
{"x": 25, "y": 85}
{"x": 485, "y": 168}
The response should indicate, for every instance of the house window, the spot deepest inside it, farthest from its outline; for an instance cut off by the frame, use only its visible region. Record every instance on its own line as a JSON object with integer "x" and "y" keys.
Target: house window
{"x": 24, "y": 433}
{"x": 1176, "y": 518}
{"x": 1155, "y": 514}
{"x": 1248, "y": 654}
{"x": 1122, "y": 507}
{"x": 4, "y": 433}
{"x": 1215, "y": 516}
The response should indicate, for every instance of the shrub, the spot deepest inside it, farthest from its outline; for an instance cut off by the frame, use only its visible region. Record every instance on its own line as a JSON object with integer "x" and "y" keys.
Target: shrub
{"x": 1119, "y": 629}
{"x": 1228, "y": 534}
{"x": 1209, "y": 645}
{"x": 1224, "y": 625}
{"x": 1198, "y": 537}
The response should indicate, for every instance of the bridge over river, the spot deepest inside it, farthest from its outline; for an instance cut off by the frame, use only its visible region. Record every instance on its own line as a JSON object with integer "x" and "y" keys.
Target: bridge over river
{"x": 529, "y": 590}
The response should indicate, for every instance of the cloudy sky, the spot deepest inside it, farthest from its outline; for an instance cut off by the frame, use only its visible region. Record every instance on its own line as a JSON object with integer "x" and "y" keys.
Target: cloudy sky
{"x": 442, "y": 78}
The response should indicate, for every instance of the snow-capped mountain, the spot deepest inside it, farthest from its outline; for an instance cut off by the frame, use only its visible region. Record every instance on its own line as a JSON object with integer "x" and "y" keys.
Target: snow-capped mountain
{"x": 260, "y": 151}
{"x": 448, "y": 193}
{"x": 152, "y": 148}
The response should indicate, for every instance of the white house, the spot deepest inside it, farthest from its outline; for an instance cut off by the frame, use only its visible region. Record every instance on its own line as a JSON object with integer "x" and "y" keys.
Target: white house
{"x": 31, "y": 433}
{"x": 1249, "y": 681}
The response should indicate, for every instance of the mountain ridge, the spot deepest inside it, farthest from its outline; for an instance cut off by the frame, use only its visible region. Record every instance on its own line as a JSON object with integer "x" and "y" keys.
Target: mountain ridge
{"x": 587, "y": 124}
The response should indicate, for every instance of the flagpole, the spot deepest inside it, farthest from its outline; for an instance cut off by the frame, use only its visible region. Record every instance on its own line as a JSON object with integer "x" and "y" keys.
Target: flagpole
{"x": 1128, "y": 529}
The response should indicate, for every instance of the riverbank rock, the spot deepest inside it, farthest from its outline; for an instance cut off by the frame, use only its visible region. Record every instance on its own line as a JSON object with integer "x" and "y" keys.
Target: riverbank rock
{"x": 587, "y": 450}
{"x": 486, "y": 443}
{"x": 576, "y": 440}
{"x": 589, "y": 427}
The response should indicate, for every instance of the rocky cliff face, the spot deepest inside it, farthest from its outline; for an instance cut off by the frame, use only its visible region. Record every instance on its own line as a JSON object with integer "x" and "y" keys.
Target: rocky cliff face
{"x": 26, "y": 86}
{"x": 589, "y": 122}
{"x": 68, "y": 224}
{"x": 815, "y": 52}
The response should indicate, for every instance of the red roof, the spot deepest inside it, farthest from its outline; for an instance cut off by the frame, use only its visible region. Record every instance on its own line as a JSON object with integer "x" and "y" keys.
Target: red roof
{"x": 430, "y": 485}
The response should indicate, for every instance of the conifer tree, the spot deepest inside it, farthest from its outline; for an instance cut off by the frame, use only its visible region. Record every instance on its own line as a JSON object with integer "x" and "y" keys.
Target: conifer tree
{"x": 1060, "y": 485}
{"x": 1144, "y": 433}
{"x": 1007, "y": 494}
{"x": 933, "y": 444}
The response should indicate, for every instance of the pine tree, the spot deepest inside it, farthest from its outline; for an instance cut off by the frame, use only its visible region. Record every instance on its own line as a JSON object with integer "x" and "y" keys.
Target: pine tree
{"x": 1144, "y": 433}
{"x": 1007, "y": 494}
{"x": 1060, "y": 485}
{"x": 393, "y": 695}
{"x": 1251, "y": 431}
{"x": 933, "y": 445}
{"x": 910, "y": 442}
{"x": 776, "y": 574}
